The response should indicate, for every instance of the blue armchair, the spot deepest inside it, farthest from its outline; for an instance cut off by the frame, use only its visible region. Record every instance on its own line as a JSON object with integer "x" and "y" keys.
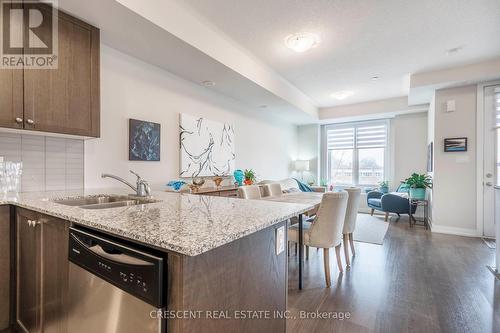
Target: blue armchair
{"x": 390, "y": 203}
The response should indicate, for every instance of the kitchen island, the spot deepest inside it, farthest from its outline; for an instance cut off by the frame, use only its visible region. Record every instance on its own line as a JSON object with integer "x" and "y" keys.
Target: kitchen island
{"x": 224, "y": 265}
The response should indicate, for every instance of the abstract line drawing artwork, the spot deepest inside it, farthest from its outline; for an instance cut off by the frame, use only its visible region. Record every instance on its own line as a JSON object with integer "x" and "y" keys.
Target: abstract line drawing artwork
{"x": 207, "y": 147}
{"x": 144, "y": 141}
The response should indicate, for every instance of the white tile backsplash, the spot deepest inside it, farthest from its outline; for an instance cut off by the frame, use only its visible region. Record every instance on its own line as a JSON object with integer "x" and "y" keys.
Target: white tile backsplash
{"x": 49, "y": 163}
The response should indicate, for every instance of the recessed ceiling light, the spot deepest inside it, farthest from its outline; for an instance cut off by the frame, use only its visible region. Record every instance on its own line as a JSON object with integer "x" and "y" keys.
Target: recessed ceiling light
{"x": 375, "y": 78}
{"x": 454, "y": 50}
{"x": 303, "y": 41}
{"x": 208, "y": 83}
{"x": 263, "y": 106}
{"x": 343, "y": 94}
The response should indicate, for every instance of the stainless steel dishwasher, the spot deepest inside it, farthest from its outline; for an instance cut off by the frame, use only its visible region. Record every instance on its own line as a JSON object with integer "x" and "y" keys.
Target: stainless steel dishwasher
{"x": 113, "y": 287}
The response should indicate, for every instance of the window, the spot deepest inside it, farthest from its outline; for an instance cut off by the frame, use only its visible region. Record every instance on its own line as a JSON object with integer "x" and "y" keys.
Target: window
{"x": 356, "y": 153}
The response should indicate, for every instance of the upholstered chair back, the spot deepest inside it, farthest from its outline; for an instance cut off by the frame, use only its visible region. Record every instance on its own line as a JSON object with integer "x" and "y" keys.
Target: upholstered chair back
{"x": 326, "y": 231}
{"x": 272, "y": 190}
{"x": 352, "y": 209}
{"x": 249, "y": 192}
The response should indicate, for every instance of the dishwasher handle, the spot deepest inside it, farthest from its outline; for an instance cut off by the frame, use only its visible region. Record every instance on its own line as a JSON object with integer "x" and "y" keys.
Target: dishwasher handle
{"x": 119, "y": 258}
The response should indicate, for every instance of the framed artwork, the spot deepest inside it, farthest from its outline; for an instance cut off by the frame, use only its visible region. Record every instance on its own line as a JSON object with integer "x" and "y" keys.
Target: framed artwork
{"x": 206, "y": 147}
{"x": 144, "y": 141}
{"x": 430, "y": 157}
{"x": 455, "y": 145}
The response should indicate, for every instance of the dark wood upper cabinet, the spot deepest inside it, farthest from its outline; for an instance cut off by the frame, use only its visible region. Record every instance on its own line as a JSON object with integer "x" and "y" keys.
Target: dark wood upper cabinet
{"x": 11, "y": 98}
{"x": 63, "y": 100}
{"x": 66, "y": 99}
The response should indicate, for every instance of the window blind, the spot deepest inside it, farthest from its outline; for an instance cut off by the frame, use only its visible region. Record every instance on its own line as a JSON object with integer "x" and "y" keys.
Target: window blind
{"x": 341, "y": 138}
{"x": 371, "y": 136}
{"x": 359, "y": 135}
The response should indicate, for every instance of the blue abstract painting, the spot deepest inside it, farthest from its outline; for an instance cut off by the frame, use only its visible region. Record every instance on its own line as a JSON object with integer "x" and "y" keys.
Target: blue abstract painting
{"x": 144, "y": 141}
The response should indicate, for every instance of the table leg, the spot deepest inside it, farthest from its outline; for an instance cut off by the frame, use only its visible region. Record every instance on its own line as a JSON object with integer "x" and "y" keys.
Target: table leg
{"x": 301, "y": 250}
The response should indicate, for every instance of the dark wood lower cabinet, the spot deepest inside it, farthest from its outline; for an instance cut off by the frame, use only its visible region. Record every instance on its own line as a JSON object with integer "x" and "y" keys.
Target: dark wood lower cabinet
{"x": 243, "y": 278}
{"x": 42, "y": 272}
{"x": 5, "y": 267}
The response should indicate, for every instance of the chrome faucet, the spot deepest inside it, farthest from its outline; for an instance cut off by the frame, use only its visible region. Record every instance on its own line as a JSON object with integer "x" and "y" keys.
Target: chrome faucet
{"x": 142, "y": 187}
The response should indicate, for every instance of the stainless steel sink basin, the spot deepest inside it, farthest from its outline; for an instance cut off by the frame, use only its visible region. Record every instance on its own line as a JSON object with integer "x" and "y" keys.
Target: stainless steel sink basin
{"x": 103, "y": 202}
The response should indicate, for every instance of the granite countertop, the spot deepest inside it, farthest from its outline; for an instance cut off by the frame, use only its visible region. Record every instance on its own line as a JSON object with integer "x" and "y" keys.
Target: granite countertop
{"x": 183, "y": 223}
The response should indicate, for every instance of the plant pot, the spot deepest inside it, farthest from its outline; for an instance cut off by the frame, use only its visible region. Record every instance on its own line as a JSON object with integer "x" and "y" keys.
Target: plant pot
{"x": 417, "y": 193}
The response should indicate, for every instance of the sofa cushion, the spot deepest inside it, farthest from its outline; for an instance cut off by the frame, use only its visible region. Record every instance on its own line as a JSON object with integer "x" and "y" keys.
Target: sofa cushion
{"x": 375, "y": 202}
{"x": 287, "y": 184}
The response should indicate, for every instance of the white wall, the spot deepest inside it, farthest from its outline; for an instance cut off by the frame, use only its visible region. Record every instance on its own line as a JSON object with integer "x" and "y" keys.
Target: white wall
{"x": 409, "y": 133}
{"x": 454, "y": 193}
{"x": 131, "y": 88}
{"x": 380, "y": 109}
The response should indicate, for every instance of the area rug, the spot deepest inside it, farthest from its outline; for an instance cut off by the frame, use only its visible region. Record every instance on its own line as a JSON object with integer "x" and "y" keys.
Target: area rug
{"x": 370, "y": 229}
{"x": 489, "y": 242}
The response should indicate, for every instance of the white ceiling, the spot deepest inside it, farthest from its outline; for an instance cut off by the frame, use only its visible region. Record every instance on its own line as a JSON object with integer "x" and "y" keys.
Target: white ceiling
{"x": 360, "y": 39}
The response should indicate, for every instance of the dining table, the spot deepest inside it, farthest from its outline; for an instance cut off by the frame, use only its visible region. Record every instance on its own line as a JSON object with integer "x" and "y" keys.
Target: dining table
{"x": 311, "y": 199}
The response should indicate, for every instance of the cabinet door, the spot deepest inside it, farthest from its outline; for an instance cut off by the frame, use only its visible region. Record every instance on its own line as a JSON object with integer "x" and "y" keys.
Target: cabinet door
{"x": 11, "y": 98}
{"x": 66, "y": 99}
{"x": 5, "y": 264}
{"x": 28, "y": 312}
{"x": 55, "y": 271}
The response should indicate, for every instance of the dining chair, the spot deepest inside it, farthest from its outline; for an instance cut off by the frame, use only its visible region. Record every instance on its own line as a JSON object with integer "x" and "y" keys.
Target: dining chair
{"x": 272, "y": 190}
{"x": 351, "y": 215}
{"x": 249, "y": 192}
{"x": 326, "y": 230}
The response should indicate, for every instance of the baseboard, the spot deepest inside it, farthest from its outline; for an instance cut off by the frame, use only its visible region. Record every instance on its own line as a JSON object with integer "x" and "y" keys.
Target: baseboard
{"x": 440, "y": 229}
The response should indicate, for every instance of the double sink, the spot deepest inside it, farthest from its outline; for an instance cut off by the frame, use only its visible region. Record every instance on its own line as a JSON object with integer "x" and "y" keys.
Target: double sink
{"x": 104, "y": 201}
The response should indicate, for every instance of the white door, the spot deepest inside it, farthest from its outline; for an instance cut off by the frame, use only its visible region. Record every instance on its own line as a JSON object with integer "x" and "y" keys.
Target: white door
{"x": 491, "y": 174}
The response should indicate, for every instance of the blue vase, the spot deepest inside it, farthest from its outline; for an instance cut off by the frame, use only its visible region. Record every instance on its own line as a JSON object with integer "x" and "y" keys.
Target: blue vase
{"x": 176, "y": 184}
{"x": 384, "y": 189}
{"x": 417, "y": 193}
{"x": 239, "y": 176}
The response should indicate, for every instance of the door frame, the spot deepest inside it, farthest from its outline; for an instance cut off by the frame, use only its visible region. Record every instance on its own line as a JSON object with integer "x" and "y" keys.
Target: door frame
{"x": 480, "y": 155}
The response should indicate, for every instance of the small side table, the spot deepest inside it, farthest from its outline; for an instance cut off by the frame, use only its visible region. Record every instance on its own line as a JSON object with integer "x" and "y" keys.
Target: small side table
{"x": 420, "y": 203}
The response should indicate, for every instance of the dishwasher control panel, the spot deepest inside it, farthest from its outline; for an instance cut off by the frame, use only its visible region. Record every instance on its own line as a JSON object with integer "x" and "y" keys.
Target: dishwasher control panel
{"x": 139, "y": 273}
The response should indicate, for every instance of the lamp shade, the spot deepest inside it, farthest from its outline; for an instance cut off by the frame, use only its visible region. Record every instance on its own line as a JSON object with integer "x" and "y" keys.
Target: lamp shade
{"x": 302, "y": 165}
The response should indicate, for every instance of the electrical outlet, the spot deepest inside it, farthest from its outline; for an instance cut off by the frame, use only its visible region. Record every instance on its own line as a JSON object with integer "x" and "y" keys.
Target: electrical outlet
{"x": 280, "y": 240}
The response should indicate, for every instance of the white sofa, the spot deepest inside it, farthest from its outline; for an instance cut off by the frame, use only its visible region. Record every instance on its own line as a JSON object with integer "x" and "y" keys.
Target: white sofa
{"x": 290, "y": 185}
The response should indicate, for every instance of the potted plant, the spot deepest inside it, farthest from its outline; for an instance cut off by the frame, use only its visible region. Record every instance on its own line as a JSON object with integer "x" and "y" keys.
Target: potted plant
{"x": 418, "y": 184}
{"x": 383, "y": 186}
{"x": 249, "y": 177}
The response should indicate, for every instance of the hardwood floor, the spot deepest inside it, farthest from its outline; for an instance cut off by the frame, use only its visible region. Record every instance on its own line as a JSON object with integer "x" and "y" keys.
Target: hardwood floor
{"x": 415, "y": 282}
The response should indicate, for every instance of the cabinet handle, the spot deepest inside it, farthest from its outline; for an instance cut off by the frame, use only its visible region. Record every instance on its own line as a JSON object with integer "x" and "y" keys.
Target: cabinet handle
{"x": 33, "y": 224}
{"x": 19, "y": 120}
{"x": 30, "y": 121}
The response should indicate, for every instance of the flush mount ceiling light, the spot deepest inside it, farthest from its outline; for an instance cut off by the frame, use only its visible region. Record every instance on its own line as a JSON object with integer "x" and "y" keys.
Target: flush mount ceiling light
{"x": 301, "y": 42}
{"x": 208, "y": 83}
{"x": 343, "y": 94}
{"x": 375, "y": 78}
